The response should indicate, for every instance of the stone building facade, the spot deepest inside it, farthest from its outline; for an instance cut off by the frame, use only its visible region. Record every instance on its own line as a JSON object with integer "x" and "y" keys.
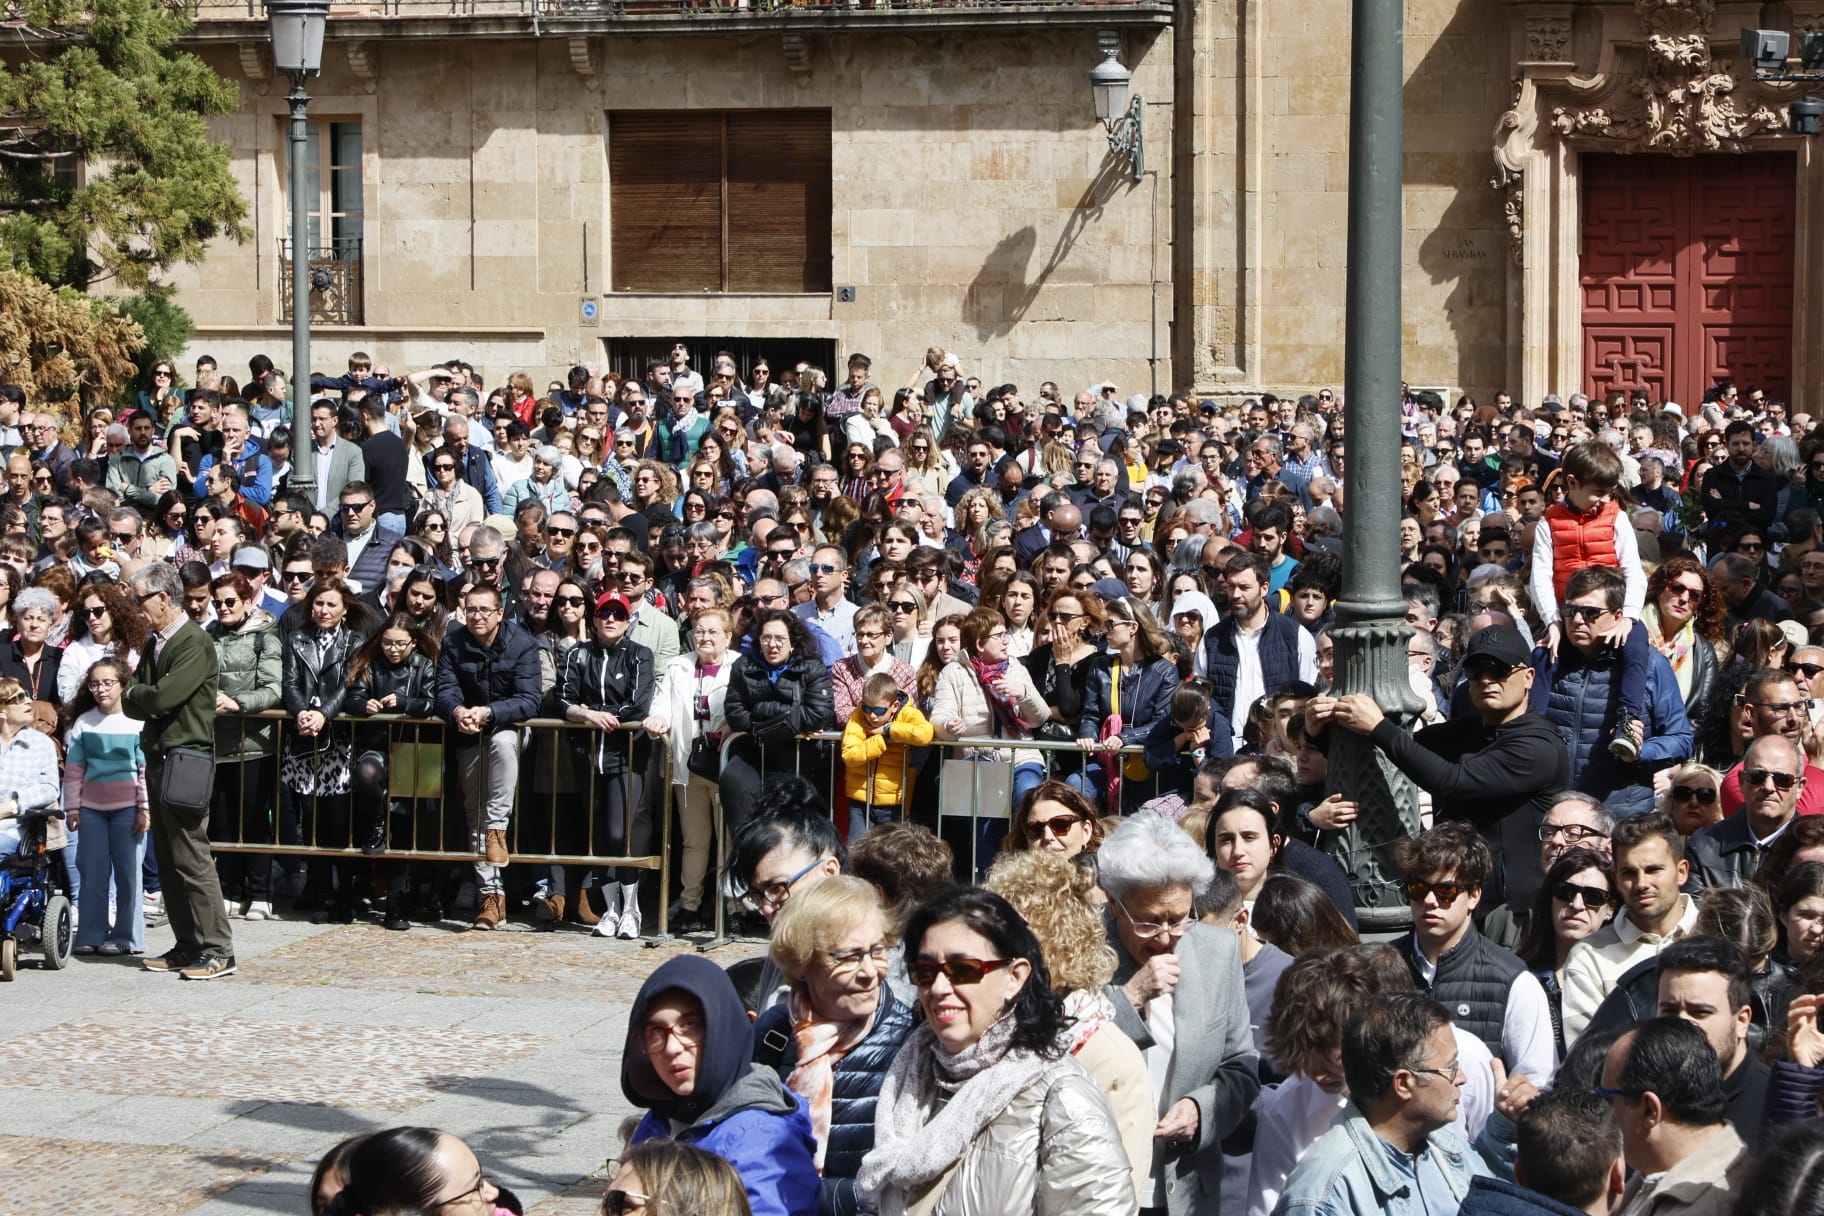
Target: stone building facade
{"x": 972, "y": 201}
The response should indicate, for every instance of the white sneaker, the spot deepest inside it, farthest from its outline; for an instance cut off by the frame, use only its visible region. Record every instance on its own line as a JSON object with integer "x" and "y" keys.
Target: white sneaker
{"x": 610, "y": 924}
{"x": 232, "y": 909}
{"x": 260, "y": 909}
{"x": 630, "y": 911}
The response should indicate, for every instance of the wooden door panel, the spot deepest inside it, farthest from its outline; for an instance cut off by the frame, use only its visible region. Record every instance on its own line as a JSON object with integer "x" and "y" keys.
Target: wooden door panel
{"x": 1686, "y": 274}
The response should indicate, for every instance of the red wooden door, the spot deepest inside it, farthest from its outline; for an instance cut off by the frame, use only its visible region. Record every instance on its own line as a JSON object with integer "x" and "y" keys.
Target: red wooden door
{"x": 1687, "y": 273}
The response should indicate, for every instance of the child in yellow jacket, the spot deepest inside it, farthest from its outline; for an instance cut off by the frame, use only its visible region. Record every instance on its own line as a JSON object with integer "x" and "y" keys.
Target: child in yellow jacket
{"x": 874, "y": 752}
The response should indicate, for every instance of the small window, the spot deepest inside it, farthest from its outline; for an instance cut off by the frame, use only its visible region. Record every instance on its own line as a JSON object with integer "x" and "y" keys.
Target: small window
{"x": 720, "y": 201}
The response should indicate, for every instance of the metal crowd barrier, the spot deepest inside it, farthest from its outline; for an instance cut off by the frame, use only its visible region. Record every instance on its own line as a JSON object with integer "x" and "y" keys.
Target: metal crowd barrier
{"x": 951, "y": 803}
{"x": 421, "y": 773}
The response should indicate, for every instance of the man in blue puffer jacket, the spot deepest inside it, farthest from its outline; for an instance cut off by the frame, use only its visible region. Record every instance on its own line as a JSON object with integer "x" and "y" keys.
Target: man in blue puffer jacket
{"x": 689, "y": 1062}
{"x": 1580, "y": 694}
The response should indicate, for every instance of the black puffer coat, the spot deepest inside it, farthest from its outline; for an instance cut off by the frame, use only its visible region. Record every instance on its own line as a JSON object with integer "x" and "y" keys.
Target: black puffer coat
{"x": 855, "y": 1091}
{"x": 775, "y": 712}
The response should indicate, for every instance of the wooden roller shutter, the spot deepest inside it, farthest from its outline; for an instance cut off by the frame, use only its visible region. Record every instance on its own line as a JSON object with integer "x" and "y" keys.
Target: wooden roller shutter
{"x": 665, "y": 169}
{"x": 779, "y": 200}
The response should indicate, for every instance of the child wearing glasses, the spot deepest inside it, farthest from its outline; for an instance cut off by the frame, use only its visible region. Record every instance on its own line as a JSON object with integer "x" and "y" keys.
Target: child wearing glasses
{"x": 874, "y": 757}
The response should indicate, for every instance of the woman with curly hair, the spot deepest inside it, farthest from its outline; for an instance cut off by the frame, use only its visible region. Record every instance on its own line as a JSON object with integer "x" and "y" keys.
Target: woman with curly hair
{"x": 654, "y": 485}
{"x": 1057, "y": 900}
{"x": 924, "y": 462}
{"x": 107, "y": 623}
{"x": 1683, "y": 616}
{"x": 1055, "y": 817}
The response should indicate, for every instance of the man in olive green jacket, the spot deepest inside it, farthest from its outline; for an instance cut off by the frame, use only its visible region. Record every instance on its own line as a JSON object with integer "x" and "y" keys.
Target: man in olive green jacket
{"x": 173, "y": 692}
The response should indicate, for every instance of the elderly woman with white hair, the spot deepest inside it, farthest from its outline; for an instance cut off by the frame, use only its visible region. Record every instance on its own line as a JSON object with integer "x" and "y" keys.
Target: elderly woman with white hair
{"x": 545, "y": 485}
{"x": 1203, "y": 1065}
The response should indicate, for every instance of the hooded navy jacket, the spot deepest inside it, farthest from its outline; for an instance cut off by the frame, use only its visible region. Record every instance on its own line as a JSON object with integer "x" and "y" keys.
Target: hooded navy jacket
{"x": 737, "y": 1110}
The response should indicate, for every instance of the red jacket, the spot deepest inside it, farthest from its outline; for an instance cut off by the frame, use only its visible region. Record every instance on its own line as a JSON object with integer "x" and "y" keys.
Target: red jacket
{"x": 1580, "y": 540}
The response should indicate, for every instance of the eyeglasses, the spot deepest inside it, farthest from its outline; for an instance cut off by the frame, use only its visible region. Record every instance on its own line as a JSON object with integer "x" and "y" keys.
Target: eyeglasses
{"x": 820, "y": 569}
{"x": 1779, "y": 707}
{"x": 487, "y": 563}
{"x": 560, "y": 531}
{"x": 481, "y": 1180}
{"x": 1808, "y": 670}
{"x": 1591, "y": 897}
{"x": 1444, "y": 1072}
{"x": 123, "y": 538}
{"x": 1751, "y": 546}
{"x": 1573, "y": 833}
{"x": 619, "y": 1203}
{"x": 1057, "y": 825}
{"x": 145, "y": 599}
{"x": 95, "y": 611}
{"x": 297, "y": 576}
{"x": 355, "y": 508}
{"x": 1062, "y": 618}
{"x": 689, "y": 1032}
{"x": 1445, "y": 893}
{"x": 959, "y": 971}
{"x": 776, "y": 893}
{"x": 1583, "y": 612}
{"x": 842, "y": 961}
{"x": 227, "y": 601}
{"x": 482, "y": 610}
{"x": 1685, "y": 591}
{"x": 1146, "y": 931}
{"x": 443, "y": 466}
{"x": 1756, "y": 777}
{"x": 1489, "y": 669}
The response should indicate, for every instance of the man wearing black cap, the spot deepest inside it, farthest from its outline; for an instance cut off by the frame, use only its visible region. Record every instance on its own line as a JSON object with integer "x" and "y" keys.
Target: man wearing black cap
{"x": 1497, "y": 770}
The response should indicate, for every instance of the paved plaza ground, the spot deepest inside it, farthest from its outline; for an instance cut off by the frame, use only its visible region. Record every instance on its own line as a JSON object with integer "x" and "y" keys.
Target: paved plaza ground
{"x": 122, "y": 1091}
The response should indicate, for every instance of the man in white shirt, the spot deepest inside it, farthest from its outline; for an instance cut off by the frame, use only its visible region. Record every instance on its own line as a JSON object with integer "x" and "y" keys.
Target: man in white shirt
{"x": 1649, "y": 868}
{"x": 1255, "y": 651}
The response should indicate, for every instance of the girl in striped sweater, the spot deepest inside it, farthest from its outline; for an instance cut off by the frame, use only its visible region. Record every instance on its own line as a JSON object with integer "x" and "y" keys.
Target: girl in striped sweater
{"x": 104, "y": 794}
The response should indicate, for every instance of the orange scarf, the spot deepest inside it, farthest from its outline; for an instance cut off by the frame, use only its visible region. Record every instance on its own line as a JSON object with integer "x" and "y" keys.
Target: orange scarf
{"x": 821, "y": 1045}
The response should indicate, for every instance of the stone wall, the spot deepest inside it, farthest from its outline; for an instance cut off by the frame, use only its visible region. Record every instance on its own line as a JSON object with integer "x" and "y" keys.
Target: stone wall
{"x": 975, "y": 206}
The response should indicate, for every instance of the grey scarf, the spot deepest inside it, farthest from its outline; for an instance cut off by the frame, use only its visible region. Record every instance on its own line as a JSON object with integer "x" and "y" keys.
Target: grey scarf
{"x": 933, "y": 1105}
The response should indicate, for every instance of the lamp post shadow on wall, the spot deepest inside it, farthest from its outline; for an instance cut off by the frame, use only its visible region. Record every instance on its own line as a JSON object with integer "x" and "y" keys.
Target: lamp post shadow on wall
{"x": 296, "y": 27}
{"x": 1371, "y": 630}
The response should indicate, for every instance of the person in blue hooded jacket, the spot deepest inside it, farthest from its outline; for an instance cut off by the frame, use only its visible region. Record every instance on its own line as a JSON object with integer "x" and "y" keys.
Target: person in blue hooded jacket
{"x": 689, "y": 1062}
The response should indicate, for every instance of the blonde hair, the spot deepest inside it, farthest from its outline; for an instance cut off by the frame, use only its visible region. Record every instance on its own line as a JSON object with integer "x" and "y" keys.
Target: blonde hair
{"x": 1052, "y": 894}
{"x": 816, "y": 916}
{"x": 683, "y": 1180}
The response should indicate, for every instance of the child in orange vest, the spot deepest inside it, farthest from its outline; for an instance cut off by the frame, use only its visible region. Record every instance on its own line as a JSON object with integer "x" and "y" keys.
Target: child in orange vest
{"x": 1589, "y": 528}
{"x": 874, "y": 756}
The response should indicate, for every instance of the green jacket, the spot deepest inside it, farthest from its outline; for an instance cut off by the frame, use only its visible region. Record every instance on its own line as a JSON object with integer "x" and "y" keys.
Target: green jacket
{"x": 249, "y": 662}
{"x": 175, "y": 696}
{"x": 129, "y": 476}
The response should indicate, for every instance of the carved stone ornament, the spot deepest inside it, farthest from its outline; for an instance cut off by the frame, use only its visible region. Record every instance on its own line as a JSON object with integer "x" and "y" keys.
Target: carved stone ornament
{"x": 363, "y": 65}
{"x": 582, "y": 62}
{"x": 1513, "y": 136}
{"x": 1548, "y": 39}
{"x": 1679, "y": 101}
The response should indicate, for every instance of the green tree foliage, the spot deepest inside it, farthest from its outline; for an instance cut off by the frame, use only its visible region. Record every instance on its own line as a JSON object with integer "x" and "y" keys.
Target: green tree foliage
{"x": 64, "y": 348}
{"x": 107, "y": 171}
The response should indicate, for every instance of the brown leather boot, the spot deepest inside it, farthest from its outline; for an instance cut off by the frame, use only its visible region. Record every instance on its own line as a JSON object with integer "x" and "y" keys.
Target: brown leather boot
{"x": 582, "y": 910}
{"x": 497, "y": 848}
{"x": 493, "y": 911}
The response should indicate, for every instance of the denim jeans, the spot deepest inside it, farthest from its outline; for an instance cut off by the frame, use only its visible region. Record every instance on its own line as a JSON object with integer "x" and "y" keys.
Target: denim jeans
{"x": 72, "y": 877}
{"x": 111, "y": 850}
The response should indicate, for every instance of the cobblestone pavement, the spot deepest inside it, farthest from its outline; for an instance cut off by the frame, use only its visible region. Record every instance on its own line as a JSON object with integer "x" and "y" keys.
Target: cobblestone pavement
{"x": 122, "y": 1091}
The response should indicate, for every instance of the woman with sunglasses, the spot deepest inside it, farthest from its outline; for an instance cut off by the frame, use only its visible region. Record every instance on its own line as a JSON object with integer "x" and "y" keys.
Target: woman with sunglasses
{"x": 433, "y": 531}
{"x": 107, "y": 623}
{"x": 606, "y": 683}
{"x": 250, "y": 657}
{"x": 857, "y": 464}
{"x": 1683, "y": 616}
{"x": 1128, "y": 693}
{"x": 911, "y": 630}
{"x": 984, "y": 1109}
{"x": 407, "y": 1171}
{"x": 665, "y": 1178}
{"x": 688, "y": 1062}
{"x": 170, "y": 532}
{"x": 835, "y": 1035}
{"x": 1054, "y": 816}
{"x": 163, "y": 392}
{"x": 1575, "y": 901}
{"x": 924, "y": 462}
{"x": 1692, "y": 798}
{"x": 459, "y": 503}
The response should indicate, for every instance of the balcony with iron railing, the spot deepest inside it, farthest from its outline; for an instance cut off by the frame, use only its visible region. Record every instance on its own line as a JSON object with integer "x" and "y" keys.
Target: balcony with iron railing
{"x": 220, "y": 19}
{"x": 336, "y": 295}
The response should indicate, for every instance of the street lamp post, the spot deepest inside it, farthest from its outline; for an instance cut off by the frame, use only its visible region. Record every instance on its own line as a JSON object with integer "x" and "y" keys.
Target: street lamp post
{"x": 297, "y": 52}
{"x": 1371, "y": 632}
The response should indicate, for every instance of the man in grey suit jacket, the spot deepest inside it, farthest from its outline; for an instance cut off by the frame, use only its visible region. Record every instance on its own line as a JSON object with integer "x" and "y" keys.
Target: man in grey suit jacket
{"x": 320, "y": 468}
{"x": 1178, "y": 993}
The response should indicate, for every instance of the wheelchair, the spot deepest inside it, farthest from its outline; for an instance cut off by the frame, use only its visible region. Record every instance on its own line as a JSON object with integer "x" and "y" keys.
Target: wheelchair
{"x": 34, "y": 912}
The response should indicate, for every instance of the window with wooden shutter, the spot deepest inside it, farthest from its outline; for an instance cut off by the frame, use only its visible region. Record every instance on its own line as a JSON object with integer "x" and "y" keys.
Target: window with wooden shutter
{"x": 720, "y": 201}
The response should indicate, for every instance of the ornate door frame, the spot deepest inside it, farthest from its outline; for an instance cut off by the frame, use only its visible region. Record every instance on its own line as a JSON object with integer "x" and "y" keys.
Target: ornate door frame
{"x": 1650, "y": 77}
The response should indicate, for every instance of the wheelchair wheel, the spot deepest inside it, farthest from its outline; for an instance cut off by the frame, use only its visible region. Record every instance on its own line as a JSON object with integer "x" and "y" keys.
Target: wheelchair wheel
{"x": 58, "y": 933}
{"x": 9, "y": 959}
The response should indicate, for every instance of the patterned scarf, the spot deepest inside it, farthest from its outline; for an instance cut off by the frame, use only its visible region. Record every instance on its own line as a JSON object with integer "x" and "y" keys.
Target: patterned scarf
{"x": 933, "y": 1105}
{"x": 1676, "y": 648}
{"x": 1005, "y": 720}
{"x": 821, "y": 1045}
{"x": 1085, "y": 1011}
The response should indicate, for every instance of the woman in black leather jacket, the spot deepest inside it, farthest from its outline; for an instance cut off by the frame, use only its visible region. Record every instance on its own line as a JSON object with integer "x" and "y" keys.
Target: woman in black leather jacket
{"x": 777, "y": 690}
{"x": 607, "y": 684}
{"x": 395, "y": 673}
{"x": 315, "y": 767}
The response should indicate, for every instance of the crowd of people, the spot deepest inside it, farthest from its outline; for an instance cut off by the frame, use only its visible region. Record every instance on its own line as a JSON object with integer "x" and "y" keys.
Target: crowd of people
{"x": 1073, "y": 656}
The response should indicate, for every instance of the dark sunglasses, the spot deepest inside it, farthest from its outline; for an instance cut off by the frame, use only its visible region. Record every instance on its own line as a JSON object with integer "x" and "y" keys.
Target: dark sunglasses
{"x": 1809, "y": 670}
{"x": 488, "y": 562}
{"x": 1756, "y": 777}
{"x": 355, "y": 508}
{"x": 1570, "y": 893}
{"x": 1703, "y": 795}
{"x": 957, "y": 970}
{"x": 569, "y": 601}
{"x": 902, "y": 606}
{"x": 1446, "y": 892}
{"x": 1488, "y": 669}
{"x": 560, "y": 531}
{"x": 1058, "y": 825}
{"x": 297, "y": 576}
{"x": 96, "y": 612}
{"x": 1582, "y": 612}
